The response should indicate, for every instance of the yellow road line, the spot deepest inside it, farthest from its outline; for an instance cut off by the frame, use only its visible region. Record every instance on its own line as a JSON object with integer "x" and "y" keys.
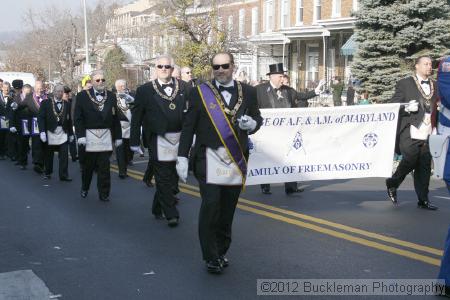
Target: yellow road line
{"x": 362, "y": 232}
{"x": 337, "y": 234}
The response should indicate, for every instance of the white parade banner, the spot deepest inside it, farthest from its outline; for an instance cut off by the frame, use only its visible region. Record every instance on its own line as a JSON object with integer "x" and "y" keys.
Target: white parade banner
{"x": 303, "y": 144}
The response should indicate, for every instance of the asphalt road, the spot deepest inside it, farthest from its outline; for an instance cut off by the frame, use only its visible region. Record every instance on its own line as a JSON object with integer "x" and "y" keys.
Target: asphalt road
{"x": 87, "y": 249}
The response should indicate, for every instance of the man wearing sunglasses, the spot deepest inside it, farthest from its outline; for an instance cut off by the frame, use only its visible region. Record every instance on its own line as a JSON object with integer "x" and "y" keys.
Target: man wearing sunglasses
{"x": 158, "y": 107}
{"x": 222, "y": 113}
{"x": 96, "y": 126}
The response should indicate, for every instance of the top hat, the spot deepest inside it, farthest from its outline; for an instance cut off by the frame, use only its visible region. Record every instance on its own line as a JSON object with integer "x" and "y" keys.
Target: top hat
{"x": 17, "y": 84}
{"x": 276, "y": 69}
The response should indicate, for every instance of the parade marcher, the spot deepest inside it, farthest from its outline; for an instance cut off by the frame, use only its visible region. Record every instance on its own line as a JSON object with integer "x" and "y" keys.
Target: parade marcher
{"x": 55, "y": 126}
{"x": 67, "y": 96}
{"x": 222, "y": 113}
{"x": 13, "y": 136}
{"x": 186, "y": 74}
{"x": 97, "y": 126}
{"x": 273, "y": 94}
{"x": 416, "y": 120}
{"x": 159, "y": 107}
{"x": 123, "y": 152}
{"x": 338, "y": 87}
{"x": 4, "y": 120}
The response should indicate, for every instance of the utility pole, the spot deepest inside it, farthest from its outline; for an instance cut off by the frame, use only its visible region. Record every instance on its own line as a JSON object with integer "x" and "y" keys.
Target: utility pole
{"x": 87, "y": 67}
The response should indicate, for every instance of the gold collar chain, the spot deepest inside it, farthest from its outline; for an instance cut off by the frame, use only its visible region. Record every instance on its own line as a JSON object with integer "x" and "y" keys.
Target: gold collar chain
{"x": 61, "y": 113}
{"x": 99, "y": 104}
{"x": 419, "y": 87}
{"x": 238, "y": 104}
{"x": 121, "y": 107}
{"x": 174, "y": 93}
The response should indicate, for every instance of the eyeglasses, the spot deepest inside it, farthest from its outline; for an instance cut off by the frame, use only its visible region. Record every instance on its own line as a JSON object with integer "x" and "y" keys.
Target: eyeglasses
{"x": 164, "y": 66}
{"x": 224, "y": 66}
{"x": 102, "y": 80}
{"x": 188, "y": 73}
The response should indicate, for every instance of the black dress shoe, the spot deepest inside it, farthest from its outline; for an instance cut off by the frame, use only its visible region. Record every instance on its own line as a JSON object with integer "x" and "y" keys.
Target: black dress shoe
{"x": 16, "y": 163}
{"x": 104, "y": 198}
{"x": 426, "y": 205}
{"x": 224, "y": 261}
{"x": 293, "y": 191}
{"x": 47, "y": 176}
{"x": 266, "y": 190}
{"x": 123, "y": 176}
{"x": 172, "y": 222}
{"x": 214, "y": 266}
{"x": 68, "y": 179}
{"x": 392, "y": 192}
{"x": 38, "y": 169}
{"x": 83, "y": 193}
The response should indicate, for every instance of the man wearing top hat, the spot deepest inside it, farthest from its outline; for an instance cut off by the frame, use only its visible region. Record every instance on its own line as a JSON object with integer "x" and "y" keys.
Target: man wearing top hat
{"x": 272, "y": 95}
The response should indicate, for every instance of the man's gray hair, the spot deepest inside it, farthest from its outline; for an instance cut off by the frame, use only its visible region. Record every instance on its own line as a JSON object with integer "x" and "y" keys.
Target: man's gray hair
{"x": 120, "y": 82}
{"x": 58, "y": 87}
{"x": 165, "y": 56}
{"x": 97, "y": 72}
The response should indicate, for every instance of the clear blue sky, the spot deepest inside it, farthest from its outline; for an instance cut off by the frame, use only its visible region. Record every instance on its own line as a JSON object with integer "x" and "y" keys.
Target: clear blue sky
{"x": 11, "y": 20}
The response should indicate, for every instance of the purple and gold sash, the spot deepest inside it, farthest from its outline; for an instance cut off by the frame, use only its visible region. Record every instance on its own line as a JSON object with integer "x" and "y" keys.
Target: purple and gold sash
{"x": 223, "y": 128}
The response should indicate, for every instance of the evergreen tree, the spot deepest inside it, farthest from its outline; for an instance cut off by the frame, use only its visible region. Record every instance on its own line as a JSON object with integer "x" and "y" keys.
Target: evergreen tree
{"x": 112, "y": 65}
{"x": 391, "y": 34}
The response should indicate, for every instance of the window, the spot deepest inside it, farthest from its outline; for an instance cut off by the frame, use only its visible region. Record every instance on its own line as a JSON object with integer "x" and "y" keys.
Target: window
{"x": 312, "y": 64}
{"x": 255, "y": 20}
{"x": 336, "y": 9}
{"x": 241, "y": 23}
{"x": 299, "y": 14}
{"x": 317, "y": 10}
{"x": 269, "y": 15}
{"x": 285, "y": 13}
{"x": 230, "y": 26}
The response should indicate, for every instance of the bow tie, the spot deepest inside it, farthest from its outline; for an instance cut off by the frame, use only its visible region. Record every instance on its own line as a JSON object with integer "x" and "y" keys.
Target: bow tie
{"x": 425, "y": 82}
{"x": 100, "y": 94}
{"x": 163, "y": 86}
{"x": 229, "y": 89}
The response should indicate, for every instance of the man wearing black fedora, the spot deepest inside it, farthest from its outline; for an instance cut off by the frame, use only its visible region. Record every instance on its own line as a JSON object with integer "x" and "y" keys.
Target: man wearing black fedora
{"x": 272, "y": 95}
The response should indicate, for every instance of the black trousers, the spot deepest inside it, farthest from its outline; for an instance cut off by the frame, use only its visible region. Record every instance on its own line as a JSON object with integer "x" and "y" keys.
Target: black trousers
{"x": 415, "y": 157}
{"x": 124, "y": 156}
{"x": 37, "y": 151}
{"x": 166, "y": 178}
{"x": 63, "y": 157}
{"x": 96, "y": 161}
{"x": 216, "y": 213}
{"x": 288, "y": 186}
{"x": 148, "y": 176}
{"x": 12, "y": 151}
{"x": 23, "y": 147}
{"x": 3, "y": 142}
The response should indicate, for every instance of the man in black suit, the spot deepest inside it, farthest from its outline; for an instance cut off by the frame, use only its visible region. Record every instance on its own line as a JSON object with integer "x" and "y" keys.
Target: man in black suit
{"x": 13, "y": 136}
{"x": 159, "y": 107}
{"x": 4, "y": 120}
{"x": 55, "y": 126}
{"x": 97, "y": 126}
{"x": 27, "y": 113}
{"x": 222, "y": 113}
{"x": 273, "y": 94}
{"x": 416, "y": 120}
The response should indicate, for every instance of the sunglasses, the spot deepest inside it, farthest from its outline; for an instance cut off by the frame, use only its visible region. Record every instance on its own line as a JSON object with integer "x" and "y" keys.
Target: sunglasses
{"x": 102, "y": 80}
{"x": 224, "y": 66}
{"x": 164, "y": 66}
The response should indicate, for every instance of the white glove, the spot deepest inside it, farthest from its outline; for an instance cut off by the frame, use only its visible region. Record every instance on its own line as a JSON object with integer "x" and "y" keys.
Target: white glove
{"x": 182, "y": 168}
{"x": 14, "y": 105}
{"x": 135, "y": 149}
{"x": 247, "y": 123}
{"x": 71, "y": 138}
{"x": 319, "y": 87}
{"x": 43, "y": 137}
{"x": 81, "y": 141}
{"x": 13, "y": 129}
{"x": 118, "y": 143}
{"x": 413, "y": 106}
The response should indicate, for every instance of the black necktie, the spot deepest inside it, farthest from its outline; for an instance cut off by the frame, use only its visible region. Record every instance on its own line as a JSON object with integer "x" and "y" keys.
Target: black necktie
{"x": 229, "y": 89}
{"x": 100, "y": 94}
{"x": 425, "y": 82}
{"x": 163, "y": 86}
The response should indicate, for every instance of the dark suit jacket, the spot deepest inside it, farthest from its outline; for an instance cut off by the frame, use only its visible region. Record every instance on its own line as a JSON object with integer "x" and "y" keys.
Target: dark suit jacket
{"x": 149, "y": 111}
{"x": 198, "y": 122}
{"x": 47, "y": 119}
{"x": 405, "y": 91}
{"x": 267, "y": 97}
{"x": 87, "y": 115}
{"x": 3, "y": 106}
